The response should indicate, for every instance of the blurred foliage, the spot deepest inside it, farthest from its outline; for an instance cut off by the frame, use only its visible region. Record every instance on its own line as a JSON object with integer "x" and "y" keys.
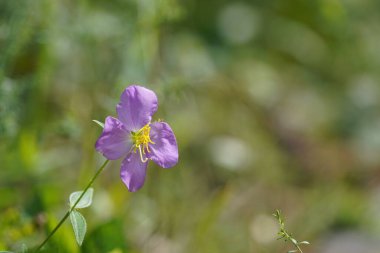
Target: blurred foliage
{"x": 275, "y": 104}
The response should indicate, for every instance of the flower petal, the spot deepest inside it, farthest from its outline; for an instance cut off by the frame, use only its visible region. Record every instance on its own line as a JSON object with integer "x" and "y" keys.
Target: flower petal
{"x": 164, "y": 151}
{"x": 133, "y": 171}
{"x": 136, "y": 107}
{"x": 115, "y": 140}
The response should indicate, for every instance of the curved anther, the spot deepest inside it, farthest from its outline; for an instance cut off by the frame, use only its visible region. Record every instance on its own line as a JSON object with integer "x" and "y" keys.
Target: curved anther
{"x": 144, "y": 160}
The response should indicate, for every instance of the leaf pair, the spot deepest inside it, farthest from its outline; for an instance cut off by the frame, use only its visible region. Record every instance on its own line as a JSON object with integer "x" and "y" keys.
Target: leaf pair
{"x": 77, "y": 219}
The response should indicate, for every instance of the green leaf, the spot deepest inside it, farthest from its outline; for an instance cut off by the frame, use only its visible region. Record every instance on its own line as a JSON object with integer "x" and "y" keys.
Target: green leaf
{"x": 304, "y": 242}
{"x": 79, "y": 226}
{"x": 85, "y": 201}
{"x": 99, "y": 123}
{"x": 292, "y": 251}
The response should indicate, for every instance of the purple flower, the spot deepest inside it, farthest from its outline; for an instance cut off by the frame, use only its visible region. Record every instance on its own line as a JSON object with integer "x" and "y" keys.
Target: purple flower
{"x": 134, "y": 137}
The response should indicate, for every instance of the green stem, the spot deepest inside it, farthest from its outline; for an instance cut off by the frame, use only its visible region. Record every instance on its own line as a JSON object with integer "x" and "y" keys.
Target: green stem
{"x": 298, "y": 247}
{"x": 73, "y": 207}
{"x": 295, "y": 244}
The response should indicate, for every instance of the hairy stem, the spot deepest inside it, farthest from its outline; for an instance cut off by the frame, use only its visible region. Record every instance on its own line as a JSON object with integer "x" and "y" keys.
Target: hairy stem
{"x": 73, "y": 207}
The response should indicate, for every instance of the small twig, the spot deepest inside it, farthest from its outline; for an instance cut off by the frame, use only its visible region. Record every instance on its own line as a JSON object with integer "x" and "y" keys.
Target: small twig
{"x": 286, "y": 235}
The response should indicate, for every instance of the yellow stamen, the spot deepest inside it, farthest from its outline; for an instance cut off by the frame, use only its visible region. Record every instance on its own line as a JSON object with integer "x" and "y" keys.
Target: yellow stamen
{"x": 141, "y": 140}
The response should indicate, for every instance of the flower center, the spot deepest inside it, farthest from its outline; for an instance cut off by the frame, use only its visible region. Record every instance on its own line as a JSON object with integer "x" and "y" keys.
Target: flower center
{"x": 141, "y": 140}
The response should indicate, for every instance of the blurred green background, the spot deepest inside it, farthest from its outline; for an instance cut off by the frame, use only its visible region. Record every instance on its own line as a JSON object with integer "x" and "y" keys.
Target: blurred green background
{"x": 275, "y": 104}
